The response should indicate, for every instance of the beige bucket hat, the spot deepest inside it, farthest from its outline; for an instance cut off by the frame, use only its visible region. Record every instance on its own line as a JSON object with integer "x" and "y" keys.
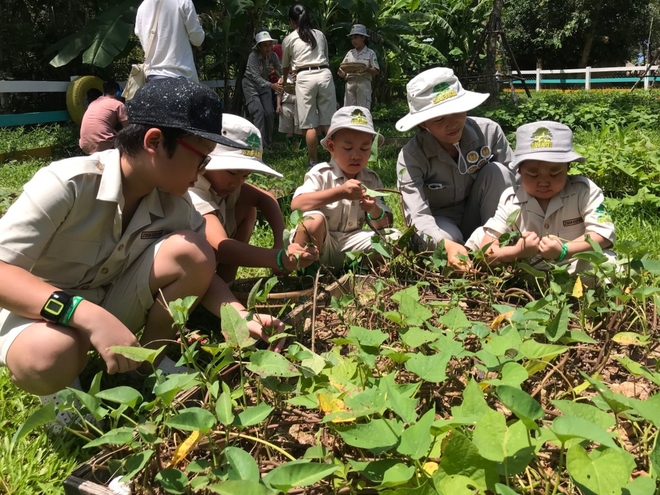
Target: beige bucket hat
{"x": 547, "y": 141}
{"x": 243, "y": 132}
{"x": 351, "y": 117}
{"x": 261, "y": 37}
{"x": 434, "y": 93}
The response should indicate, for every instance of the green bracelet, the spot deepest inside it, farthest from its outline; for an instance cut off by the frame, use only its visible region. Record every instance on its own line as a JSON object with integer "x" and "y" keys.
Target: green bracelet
{"x": 380, "y": 217}
{"x": 564, "y": 252}
{"x": 280, "y": 263}
{"x": 68, "y": 312}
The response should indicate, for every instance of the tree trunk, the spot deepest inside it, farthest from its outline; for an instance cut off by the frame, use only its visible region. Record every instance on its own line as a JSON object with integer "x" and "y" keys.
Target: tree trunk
{"x": 492, "y": 40}
{"x": 591, "y": 34}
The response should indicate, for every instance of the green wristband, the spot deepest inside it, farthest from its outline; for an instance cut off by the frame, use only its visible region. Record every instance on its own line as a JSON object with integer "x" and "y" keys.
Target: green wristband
{"x": 280, "y": 263}
{"x": 564, "y": 252}
{"x": 70, "y": 309}
{"x": 380, "y": 217}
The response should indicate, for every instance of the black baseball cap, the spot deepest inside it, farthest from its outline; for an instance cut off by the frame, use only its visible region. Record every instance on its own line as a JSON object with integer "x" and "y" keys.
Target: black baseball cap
{"x": 179, "y": 103}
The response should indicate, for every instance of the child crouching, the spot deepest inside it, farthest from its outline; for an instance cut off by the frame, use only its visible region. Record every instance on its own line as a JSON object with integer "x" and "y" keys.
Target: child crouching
{"x": 556, "y": 211}
{"x": 333, "y": 197}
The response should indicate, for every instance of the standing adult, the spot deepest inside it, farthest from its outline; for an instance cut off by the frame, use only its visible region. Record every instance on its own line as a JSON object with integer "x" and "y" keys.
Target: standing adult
{"x": 104, "y": 117}
{"x": 306, "y": 49}
{"x": 453, "y": 172}
{"x": 178, "y": 28}
{"x": 257, "y": 87}
{"x": 358, "y": 85}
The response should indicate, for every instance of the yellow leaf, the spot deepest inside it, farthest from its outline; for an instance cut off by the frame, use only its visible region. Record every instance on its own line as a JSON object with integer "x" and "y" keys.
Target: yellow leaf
{"x": 431, "y": 467}
{"x": 630, "y": 338}
{"x": 329, "y": 404}
{"x": 581, "y": 387}
{"x": 182, "y": 450}
{"x": 577, "y": 288}
{"x": 497, "y": 322}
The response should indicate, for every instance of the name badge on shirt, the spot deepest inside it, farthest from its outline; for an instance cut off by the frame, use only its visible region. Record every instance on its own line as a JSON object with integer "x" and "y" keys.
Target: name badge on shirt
{"x": 151, "y": 234}
{"x": 573, "y": 221}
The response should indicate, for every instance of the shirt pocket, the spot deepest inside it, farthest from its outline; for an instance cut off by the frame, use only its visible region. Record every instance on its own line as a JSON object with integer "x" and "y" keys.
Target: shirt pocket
{"x": 439, "y": 195}
{"x": 572, "y": 232}
{"x": 70, "y": 259}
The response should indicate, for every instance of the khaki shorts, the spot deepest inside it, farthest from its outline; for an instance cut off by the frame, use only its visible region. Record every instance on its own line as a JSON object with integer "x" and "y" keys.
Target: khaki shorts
{"x": 289, "y": 119}
{"x": 337, "y": 244}
{"x": 316, "y": 100}
{"x": 128, "y": 298}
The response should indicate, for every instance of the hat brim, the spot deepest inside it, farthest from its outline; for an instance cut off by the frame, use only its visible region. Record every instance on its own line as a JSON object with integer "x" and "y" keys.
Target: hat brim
{"x": 463, "y": 103}
{"x": 324, "y": 141}
{"x": 361, "y": 34}
{"x": 256, "y": 45}
{"x": 237, "y": 162}
{"x": 548, "y": 156}
{"x": 217, "y": 138}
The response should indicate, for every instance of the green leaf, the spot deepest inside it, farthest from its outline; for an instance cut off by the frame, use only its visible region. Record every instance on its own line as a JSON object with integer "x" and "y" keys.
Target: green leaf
{"x": 429, "y": 368}
{"x": 369, "y": 338}
{"x": 138, "y": 354}
{"x": 134, "y": 463}
{"x": 474, "y": 405}
{"x": 416, "y": 440}
{"x": 642, "y": 485}
{"x": 252, "y": 296}
{"x": 489, "y": 436}
{"x": 386, "y": 472}
{"x": 253, "y": 415}
{"x": 174, "y": 384}
{"x": 558, "y": 325}
{"x": 234, "y": 327}
{"x": 455, "y": 319}
{"x": 40, "y": 417}
{"x": 298, "y": 473}
{"x": 567, "y": 427}
{"x": 521, "y": 404}
{"x": 456, "y": 484}
{"x": 605, "y": 474}
{"x": 118, "y": 436}
{"x": 501, "y": 489}
{"x": 403, "y": 406}
{"x": 122, "y": 395}
{"x": 268, "y": 363}
{"x": 513, "y": 216}
{"x": 242, "y": 465}
{"x": 535, "y": 350}
{"x": 585, "y": 411}
{"x": 240, "y": 487}
{"x": 191, "y": 419}
{"x": 377, "y": 436}
{"x": 172, "y": 480}
{"x": 461, "y": 457}
{"x": 180, "y": 309}
{"x": 224, "y": 408}
{"x": 415, "y": 337}
{"x": 513, "y": 374}
{"x": 374, "y": 194}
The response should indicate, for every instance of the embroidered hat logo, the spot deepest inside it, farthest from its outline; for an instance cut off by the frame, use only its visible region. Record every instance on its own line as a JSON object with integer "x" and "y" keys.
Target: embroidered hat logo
{"x": 541, "y": 138}
{"x": 358, "y": 118}
{"x": 254, "y": 142}
{"x": 443, "y": 92}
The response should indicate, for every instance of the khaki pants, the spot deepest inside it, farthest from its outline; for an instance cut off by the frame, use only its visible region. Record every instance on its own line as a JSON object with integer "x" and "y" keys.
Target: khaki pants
{"x": 316, "y": 100}
{"x": 358, "y": 92}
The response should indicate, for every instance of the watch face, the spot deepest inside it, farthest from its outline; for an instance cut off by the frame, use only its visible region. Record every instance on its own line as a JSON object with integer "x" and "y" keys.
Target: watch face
{"x": 53, "y": 306}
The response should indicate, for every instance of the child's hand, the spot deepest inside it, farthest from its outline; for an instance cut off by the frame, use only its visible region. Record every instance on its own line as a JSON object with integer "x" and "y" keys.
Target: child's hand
{"x": 341, "y": 73}
{"x": 279, "y": 109}
{"x": 550, "y": 247}
{"x": 453, "y": 250}
{"x": 528, "y": 245}
{"x": 369, "y": 205}
{"x": 262, "y": 326}
{"x": 299, "y": 256}
{"x": 352, "y": 189}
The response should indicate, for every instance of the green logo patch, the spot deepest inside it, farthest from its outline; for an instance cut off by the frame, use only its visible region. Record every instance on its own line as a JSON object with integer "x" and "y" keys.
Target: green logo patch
{"x": 358, "y": 117}
{"x": 541, "y": 138}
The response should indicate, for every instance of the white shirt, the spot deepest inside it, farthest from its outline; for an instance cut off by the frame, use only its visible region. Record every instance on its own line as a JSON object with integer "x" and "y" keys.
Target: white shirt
{"x": 178, "y": 27}
{"x": 295, "y": 51}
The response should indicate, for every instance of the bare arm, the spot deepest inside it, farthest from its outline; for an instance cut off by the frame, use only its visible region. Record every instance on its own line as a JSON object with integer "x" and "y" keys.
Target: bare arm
{"x": 526, "y": 247}
{"x": 268, "y": 205}
{"x": 351, "y": 189}
{"x": 551, "y": 246}
{"x": 27, "y": 294}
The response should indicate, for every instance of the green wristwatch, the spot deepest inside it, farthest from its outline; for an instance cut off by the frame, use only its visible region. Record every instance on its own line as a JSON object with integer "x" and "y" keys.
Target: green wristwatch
{"x": 55, "y": 306}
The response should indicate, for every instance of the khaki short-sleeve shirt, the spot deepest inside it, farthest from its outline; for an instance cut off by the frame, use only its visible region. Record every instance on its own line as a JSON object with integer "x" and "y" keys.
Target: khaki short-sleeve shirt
{"x": 66, "y": 226}
{"x": 576, "y": 210}
{"x": 344, "y": 215}
{"x": 366, "y": 56}
{"x": 205, "y": 200}
{"x": 296, "y": 52}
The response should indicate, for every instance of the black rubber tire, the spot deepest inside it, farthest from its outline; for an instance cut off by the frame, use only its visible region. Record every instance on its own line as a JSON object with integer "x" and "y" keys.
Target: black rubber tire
{"x": 76, "y": 94}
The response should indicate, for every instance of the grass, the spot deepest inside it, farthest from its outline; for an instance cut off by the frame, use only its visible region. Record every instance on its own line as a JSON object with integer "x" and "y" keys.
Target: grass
{"x": 39, "y": 465}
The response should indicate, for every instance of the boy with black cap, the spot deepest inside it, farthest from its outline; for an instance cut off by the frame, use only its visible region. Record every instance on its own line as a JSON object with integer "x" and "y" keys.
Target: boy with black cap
{"x": 555, "y": 210}
{"x": 93, "y": 241}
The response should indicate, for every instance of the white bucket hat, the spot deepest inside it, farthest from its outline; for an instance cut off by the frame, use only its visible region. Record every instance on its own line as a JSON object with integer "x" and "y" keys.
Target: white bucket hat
{"x": 261, "y": 37}
{"x": 243, "y": 132}
{"x": 434, "y": 93}
{"x": 358, "y": 29}
{"x": 356, "y": 118}
{"x": 547, "y": 141}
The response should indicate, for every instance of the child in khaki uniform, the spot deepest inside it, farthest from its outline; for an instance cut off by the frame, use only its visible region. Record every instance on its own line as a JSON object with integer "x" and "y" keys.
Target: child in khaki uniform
{"x": 333, "y": 197}
{"x": 556, "y": 210}
{"x": 358, "y": 85}
{"x": 288, "y": 121}
{"x": 93, "y": 241}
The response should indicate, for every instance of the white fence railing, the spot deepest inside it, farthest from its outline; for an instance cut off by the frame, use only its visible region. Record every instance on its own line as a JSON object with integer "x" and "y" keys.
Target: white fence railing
{"x": 591, "y": 75}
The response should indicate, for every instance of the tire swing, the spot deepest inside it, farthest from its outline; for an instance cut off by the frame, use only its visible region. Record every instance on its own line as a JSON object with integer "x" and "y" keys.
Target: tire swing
{"x": 76, "y": 94}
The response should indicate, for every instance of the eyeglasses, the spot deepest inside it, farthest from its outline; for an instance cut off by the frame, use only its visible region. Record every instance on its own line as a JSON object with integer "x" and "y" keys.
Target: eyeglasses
{"x": 205, "y": 158}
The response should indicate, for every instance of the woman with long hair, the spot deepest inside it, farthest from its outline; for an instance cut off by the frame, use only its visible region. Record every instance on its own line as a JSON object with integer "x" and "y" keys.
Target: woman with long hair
{"x": 306, "y": 49}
